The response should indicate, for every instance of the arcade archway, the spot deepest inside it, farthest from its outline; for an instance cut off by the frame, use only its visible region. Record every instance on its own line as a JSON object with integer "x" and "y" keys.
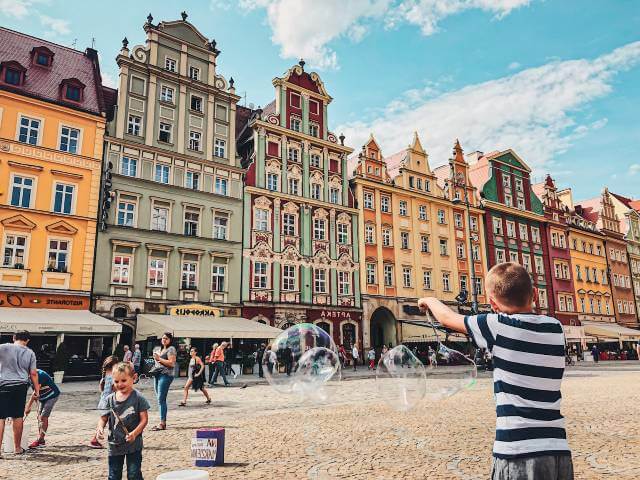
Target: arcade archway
{"x": 382, "y": 326}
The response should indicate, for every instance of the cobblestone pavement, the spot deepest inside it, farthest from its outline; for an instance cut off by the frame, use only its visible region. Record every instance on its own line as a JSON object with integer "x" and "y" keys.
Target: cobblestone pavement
{"x": 354, "y": 435}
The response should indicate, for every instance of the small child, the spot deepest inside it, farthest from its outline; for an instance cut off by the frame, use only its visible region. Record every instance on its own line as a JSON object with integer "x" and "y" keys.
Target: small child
{"x": 106, "y": 389}
{"x": 127, "y": 418}
{"x": 528, "y": 361}
{"x": 49, "y": 393}
{"x": 371, "y": 355}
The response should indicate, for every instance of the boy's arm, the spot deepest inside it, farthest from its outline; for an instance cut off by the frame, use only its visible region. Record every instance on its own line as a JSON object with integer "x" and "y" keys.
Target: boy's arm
{"x": 443, "y": 314}
{"x": 101, "y": 424}
{"x": 27, "y": 409}
{"x": 144, "y": 419}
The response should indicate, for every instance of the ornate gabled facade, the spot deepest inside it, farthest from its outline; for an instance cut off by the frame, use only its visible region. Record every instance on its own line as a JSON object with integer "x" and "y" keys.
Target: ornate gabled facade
{"x": 413, "y": 242}
{"x": 300, "y": 227}
{"x": 601, "y": 211}
{"x": 556, "y": 232}
{"x": 172, "y": 218}
{"x": 589, "y": 261}
{"x": 514, "y": 219}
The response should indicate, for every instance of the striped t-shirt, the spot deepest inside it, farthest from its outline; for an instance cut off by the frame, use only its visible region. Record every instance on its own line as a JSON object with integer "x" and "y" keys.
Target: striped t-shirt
{"x": 528, "y": 359}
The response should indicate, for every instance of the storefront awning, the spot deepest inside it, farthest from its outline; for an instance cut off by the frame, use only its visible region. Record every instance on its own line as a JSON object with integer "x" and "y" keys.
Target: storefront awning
{"x": 202, "y": 327}
{"x": 611, "y": 330}
{"x": 42, "y": 321}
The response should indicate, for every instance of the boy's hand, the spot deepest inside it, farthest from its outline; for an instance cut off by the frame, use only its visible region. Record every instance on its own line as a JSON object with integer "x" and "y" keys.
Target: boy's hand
{"x": 100, "y": 433}
{"x": 423, "y": 304}
{"x": 27, "y": 411}
{"x": 130, "y": 437}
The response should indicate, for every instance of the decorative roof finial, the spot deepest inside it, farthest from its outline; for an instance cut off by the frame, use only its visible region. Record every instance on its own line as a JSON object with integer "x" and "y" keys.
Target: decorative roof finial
{"x": 231, "y": 82}
{"x": 212, "y": 47}
{"x": 302, "y": 63}
{"x": 125, "y": 42}
{"x": 341, "y": 137}
{"x": 149, "y": 18}
{"x": 184, "y": 16}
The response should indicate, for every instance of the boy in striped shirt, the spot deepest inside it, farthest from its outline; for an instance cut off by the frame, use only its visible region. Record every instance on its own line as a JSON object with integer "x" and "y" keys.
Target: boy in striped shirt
{"x": 528, "y": 358}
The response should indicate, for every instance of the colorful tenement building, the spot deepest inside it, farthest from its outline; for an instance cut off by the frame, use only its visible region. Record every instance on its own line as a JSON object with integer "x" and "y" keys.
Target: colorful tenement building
{"x": 514, "y": 219}
{"x": 414, "y": 240}
{"x": 52, "y": 122}
{"x": 300, "y": 226}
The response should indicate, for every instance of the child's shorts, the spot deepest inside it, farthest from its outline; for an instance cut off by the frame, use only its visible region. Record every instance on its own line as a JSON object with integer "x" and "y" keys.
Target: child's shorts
{"x": 547, "y": 467}
{"x": 46, "y": 407}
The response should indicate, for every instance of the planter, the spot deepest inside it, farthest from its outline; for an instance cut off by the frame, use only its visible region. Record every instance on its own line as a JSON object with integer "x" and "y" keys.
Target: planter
{"x": 247, "y": 370}
{"x": 58, "y": 376}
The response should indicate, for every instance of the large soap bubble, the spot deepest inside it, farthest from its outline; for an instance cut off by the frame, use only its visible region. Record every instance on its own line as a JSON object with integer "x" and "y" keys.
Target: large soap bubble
{"x": 448, "y": 371}
{"x": 401, "y": 378}
{"x": 301, "y": 360}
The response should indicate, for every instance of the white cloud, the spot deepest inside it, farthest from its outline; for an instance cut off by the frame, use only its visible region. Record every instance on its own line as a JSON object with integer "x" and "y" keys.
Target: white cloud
{"x": 15, "y": 8}
{"x": 532, "y": 111}
{"x": 306, "y": 28}
{"x": 55, "y": 25}
{"x": 514, "y": 66}
{"x": 634, "y": 168}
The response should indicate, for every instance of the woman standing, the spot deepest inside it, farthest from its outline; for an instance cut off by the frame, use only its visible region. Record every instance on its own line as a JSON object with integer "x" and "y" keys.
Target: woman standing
{"x": 165, "y": 364}
{"x": 196, "y": 377}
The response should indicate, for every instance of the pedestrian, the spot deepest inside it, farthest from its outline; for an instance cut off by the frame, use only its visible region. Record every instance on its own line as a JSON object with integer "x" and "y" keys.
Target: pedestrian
{"x": 128, "y": 354}
{"x": 372, "y": 358}
{"x": 384, "y": 350}
{"x": 638, "y": 349}
{"x": 342, "y": 355}
{"x": 528, "y": 359}
{"x": 259, "y": 356}
{"x": 106, "y": 389}
{"x": 287, "y": 358}
{"x": 127, "y": 415}
{"x": 164, "y": 372}
{"x": 212, "y": 363}
{"x": 356, "y": 355}
{"x": 268, "y": 359}
{"x": 227, "y": 362}
{"x": 196, "y": 377}
{"x": 136, "y": 359}
{"x": 218, "y": 359}
{"x": 17, "y": 369}
{"x": 433, "y": 358}
{"x": 595, "y": 353}
{"x": 49, "y": 393}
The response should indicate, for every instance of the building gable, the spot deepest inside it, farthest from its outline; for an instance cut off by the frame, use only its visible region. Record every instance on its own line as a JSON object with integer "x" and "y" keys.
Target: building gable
{"x": 184, "y": 31}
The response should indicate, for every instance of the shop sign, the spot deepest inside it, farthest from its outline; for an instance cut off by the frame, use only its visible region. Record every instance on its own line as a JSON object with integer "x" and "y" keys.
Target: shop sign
{"x": 195, "y": 310}
{"x": 35, "y": 300}
{"x": 332, "y": 315}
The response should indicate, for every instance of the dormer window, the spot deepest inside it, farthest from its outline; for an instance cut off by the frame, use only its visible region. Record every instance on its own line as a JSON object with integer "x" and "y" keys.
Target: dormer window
{"x": 72, "y": 90}
{"x": 12, "y": 73}
{"x": 42, "y": 56}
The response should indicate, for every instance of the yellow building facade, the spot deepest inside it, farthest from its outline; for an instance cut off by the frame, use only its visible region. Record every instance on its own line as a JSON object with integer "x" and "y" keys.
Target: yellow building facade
{"x": 413, "y": 242}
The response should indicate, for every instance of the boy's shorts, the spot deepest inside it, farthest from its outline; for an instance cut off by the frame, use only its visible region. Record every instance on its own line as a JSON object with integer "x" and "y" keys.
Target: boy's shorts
{"x": 46, "y": 407}
{"x": 547, "y": 467}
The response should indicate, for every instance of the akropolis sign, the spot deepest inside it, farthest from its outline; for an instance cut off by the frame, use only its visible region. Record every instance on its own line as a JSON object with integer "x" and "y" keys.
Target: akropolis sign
{"x": 195, "y": 310}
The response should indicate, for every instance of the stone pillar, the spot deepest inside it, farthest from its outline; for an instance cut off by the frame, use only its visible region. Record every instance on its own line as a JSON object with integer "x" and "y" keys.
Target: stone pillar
{"x": 325, "y": 165}
{"x": 305, "y": 284}
{"x": 306, "y": 231}
{"x": 277, "y": 244}
{"x": 260, "y": 158}
{"x": 325, "y": 127}
{"x": 305, "y": 169}
{"x": 181, "y": 131}
{"x": 121, "y": 118}
{"x": 345, "y": 180}
{"x": 305, "y": 113}
{"x": 246, "y": 220}
{"x": 275, "y": 281}
{"x": 332, "y": 234}
{"x": 284, "y": 158}
{"x": 150, "y": 118}
{"x": 334, "y": 286}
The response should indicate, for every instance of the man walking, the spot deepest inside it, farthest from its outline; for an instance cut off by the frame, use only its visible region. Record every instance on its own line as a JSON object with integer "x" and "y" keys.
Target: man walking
{"x": 259, "y": 355}
{"x": 17, "y": 368}
{"x": 128, "y": 354}
{"x": 136, "y": 359}
{"x": 356, "y": 355}
{"x": 287, "y": 359}
{"x": 218, "y": 361}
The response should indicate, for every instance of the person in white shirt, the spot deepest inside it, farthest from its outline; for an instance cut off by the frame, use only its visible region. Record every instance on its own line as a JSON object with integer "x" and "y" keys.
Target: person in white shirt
{"x": 356, "y": 355}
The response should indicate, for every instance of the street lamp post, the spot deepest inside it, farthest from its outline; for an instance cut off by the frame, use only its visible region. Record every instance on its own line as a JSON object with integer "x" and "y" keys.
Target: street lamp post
{"x": 458, "y": 180}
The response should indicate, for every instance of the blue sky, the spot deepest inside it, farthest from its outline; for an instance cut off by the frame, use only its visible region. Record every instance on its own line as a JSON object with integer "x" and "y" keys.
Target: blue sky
{"x": 557, "y": 80}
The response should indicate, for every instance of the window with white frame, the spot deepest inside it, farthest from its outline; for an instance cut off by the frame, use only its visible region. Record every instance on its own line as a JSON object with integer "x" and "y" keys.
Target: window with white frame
{"x": 513, "y": 256}
{"x": 272, "y": 181}
{"x": 446, "y": 281}
{"x": 126, "y": 214}
{"x": 422, "y": 212}
{"x": 508, "y": 200}
{"x": 164, "y": 132}
{"x": 134, "y": 125}
{"x": 314, "y": 130}
{"x": 288, "y": 224}
{"x": 129, "y": 167}
{"x": 63, "y": 198}
{"x": 160, "y": 216}
{"x": 316, "y": 191}
{"x": 261, "y": 219}
{"x": 404, "y": 240}
{"x": 191, "y": 221}
{"x": 526, "y": 262}
{"x": 369, "y": 234}
{"x": 371, "y": 273}
{"x": 220, "y": 148}
{"x": 189, "y": 275}
{"x": 524, "y": 234}
{"x": 221, "y": 186}
{"x": 343, "y": 233}
{"x": 444, "y": 247}
{"x": 344, "y": 283}
{"x": 192, "y": 180}
{"x": 521, "y": 205}
{"x": 170, "y": 64}
{"x": 196, "y": 103}
{"x": 29, "y": 130}
{"x": 218, "y": 277}
{"x": 419, "y": 183}
{"x": 478, "y": 284}
{"x": 460, "y": 250}
{"x": 368, "y": 200}
{"x": 288, "y": 278}
{"x": 473, "y": 223}
{"x": 386, "y": 237}
{"x": 162, "y": 173}
{"x": 539, "y": 265}
{"x": 542, "y": 298}
{"x": 427, "y": 282}
{"x": 457, "y": 220}
{"x": 442, "y": 219}
{"x": 319, "y": 229}
{"x": 260, "y": 275}
{"x": 220, "y": 225}
{"x": 195, "y": 140}
{"x": 314, "y": 160}
{"x": 407, "y": 277}
{"x": 388, "y": 275}
{"x": 121, "y": 271}
{"x": 463, "y": 283}
{"x": 69, "y": 138}
{"x": 511, "y": 229}
{"x": 535, "y": 234}
{"x": 296, "y": 124}
{"x": 320, "y": 280}
{"x": 293, "y": 154}
{"x": 500, "y": 255}
{"x": 294, "y": 186}
{"x": 424, "y": 243}
{"x": 15, "y": 248}
{"x": 497, "y": 226}
{"x": 334, "y": 195}
{"x": 167, "y": 94}
{"x": 156, "y": 272}
{"x": 427, "y": 185}
{"x": 385, "y": 203}
{"x": 403, "y": 208}
{"x": 476, "y": 253}
{"x": 194, "y": 73}
{"x": 519, "y": 184}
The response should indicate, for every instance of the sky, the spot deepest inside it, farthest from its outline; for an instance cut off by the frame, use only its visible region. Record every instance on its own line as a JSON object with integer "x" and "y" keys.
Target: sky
{"x": 558, "y": 81}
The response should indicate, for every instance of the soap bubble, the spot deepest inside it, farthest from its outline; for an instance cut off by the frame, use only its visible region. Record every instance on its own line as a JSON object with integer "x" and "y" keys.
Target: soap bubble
{"x": 313, "y": 360}
{"x": 448, "y": 372}
{"x": 401, "y": 378}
